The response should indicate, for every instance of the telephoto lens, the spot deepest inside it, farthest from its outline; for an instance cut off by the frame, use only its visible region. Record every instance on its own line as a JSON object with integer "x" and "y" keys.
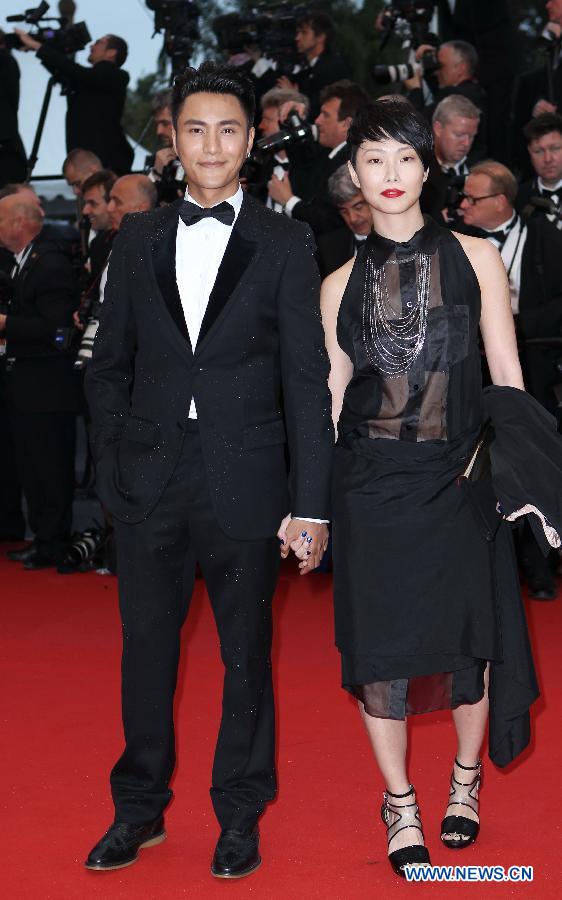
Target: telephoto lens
{"x": 396, "y": 74}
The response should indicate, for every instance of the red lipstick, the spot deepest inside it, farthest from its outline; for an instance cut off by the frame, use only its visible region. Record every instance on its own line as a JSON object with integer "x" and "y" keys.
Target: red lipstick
{"x": 392, "y": 193}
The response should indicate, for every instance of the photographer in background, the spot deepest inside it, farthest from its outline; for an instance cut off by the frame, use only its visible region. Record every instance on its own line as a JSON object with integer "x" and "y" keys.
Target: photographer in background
{"x": 13, "y": 162}
{"x": 455, "y": 125}
{"x": 322, "y": 66}
{"x": 339, "y": 246}
{"x": 456, "y": 74}
{"x": 339, "y": 103}
{"x": 96, "y": 195}
{"x": 164, "y": 167}
{"x": 96, "y": 97}
{"x": 544, "y": 143}
{"x": 43, "y": 393}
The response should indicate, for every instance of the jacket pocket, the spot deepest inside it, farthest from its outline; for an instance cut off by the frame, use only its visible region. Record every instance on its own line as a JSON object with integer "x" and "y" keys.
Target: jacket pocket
{"x": 141, "y": 430}
{"x": 264, "y": 435}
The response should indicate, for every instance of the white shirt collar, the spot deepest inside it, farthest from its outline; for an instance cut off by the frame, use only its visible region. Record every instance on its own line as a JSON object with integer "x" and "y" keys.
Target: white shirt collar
{"x": 336, "y": 150}
{"x": 458, "y": 167}
{"x": 235, "y": 201}
{"x": 19, "y": 257}
{"x": 504, "y": 225}
{"x": 544, "y": 187}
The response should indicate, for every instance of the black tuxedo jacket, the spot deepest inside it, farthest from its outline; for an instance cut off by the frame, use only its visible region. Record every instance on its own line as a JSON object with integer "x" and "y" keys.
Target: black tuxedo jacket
{"x": 46, "y": 294}
{"x": 315, "y": 208}
{"x": 258, "y": 374}
{"x": 95, "y": 108}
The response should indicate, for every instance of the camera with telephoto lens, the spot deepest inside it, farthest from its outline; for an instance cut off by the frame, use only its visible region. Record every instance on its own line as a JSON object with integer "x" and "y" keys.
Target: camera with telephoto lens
{"x": 66, "y": 38}
{"x": 294, "y": 131}
{"x": 410, "y": 21}
{"x": 403, "y": 71}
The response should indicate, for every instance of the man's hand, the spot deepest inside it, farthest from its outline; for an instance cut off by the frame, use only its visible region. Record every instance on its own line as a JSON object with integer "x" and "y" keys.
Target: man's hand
{"x": 163, "y": 157}
{"x": 78, "y": 323}
{"x": 279, "y": 189}
{"x": 2, "y": 322}
{"x": 414, "y": 82}
{"x": 543, "y": 106}
{"x": 28, "y": 42}
{"x": 307, "y": 540}
{"x": 286, "y": 84}
{"x": 286, "y": 108}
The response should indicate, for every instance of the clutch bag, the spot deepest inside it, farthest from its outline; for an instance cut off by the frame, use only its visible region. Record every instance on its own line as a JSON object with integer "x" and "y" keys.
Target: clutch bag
{"x": 476, "y": 481}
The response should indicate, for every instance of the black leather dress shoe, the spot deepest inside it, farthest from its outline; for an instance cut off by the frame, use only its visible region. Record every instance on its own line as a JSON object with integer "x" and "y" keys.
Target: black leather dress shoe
{"x": 120, "y": 845}
{"x": 23, "y": 554}
{"x": 236, "y": 853}
{"x": 39, "y": 560}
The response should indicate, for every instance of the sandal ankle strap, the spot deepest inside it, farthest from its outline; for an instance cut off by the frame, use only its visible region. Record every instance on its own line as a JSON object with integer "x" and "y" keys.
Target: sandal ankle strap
{"x": 408, "y": 793}
{"x": 468, "y": 768}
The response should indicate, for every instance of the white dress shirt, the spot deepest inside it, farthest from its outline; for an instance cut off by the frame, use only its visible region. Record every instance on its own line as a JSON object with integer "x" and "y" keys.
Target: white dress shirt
{"x": 511, "y": 254}
{"x": 199, "y": 252}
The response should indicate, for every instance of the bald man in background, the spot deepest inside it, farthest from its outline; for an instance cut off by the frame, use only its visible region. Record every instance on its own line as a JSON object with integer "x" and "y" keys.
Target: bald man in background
{"x": 42, "y": 390}
{"x": 79, "y": 165}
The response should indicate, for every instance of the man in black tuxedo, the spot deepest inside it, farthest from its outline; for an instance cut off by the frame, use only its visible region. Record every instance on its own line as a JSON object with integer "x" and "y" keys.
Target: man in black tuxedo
{"x": 322, "y": 66}
{"x": 532, "y": 254}
{"x": 544, "y": 143}
{"x": 340, "y": 101}
{"x": 96, "y": 98}
{"x": 43, "y": 391}
{"x": 209, "y": 360}
{"x": 13, "y": 162}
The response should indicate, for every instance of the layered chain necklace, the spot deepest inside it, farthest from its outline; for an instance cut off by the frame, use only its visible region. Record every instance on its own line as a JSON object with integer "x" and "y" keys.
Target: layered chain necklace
{"x": 393, "y": 343}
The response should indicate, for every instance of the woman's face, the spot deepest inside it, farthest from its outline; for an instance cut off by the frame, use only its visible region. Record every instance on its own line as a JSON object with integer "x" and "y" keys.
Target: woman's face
{"x": 390, "y": 175}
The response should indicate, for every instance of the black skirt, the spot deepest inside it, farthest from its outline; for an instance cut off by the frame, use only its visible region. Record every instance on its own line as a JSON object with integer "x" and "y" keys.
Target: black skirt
{"x": 422, "y": 600}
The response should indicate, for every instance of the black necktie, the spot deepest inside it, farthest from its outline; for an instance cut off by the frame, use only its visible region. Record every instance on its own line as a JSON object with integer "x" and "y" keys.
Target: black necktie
{"x": 190, "y": 213}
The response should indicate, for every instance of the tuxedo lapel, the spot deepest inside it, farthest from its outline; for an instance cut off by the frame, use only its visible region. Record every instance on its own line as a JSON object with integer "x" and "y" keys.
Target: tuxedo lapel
{"x": 164, "y": 263}
{"x": 239, "y": 253}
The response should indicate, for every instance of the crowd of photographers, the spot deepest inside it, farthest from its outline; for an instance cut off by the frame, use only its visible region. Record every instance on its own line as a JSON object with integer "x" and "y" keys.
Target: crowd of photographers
{"x": 53, "y": 277}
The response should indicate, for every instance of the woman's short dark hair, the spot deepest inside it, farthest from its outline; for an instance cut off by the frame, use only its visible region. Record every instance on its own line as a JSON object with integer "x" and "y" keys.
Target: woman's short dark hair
{"x": 212, "y": 78}
{"x": 395, "y": 119}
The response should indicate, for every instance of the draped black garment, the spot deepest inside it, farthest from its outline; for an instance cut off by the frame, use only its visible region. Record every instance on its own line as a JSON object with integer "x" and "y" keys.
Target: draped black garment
{"x": 422, "y": 601}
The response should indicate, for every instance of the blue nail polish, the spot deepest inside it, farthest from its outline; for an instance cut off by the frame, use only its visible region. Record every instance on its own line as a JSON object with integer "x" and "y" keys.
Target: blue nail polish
{"x": 304, "y": 533}
{"x": 309, "y": 540}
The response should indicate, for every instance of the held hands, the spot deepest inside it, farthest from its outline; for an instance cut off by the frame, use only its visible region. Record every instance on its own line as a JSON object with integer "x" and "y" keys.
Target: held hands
{"x": 307, "y": 540}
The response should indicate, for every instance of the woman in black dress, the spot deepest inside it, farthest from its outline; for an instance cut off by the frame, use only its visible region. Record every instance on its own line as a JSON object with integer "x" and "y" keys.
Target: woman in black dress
{"x": 427, "y": 611}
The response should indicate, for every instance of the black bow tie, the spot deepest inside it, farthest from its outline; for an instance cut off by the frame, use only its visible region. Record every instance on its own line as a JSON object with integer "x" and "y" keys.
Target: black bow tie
{"x": 190, "y": 213}
{"x": 500, "y": 235}
{"x": 546, "y": 193}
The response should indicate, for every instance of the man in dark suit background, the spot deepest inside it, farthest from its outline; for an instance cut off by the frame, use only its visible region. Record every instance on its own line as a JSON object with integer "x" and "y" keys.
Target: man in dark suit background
{"x": 339, "y": 103}
{"x": 209, "y": 360}
{"x": 95, "y": 100}
{"x": 532, "y": 254}
{"x": 43, "y": 391}
{"x": 544, "y": 143}
{"x": 337, "y": 247}
{"x": 12, "y": 154}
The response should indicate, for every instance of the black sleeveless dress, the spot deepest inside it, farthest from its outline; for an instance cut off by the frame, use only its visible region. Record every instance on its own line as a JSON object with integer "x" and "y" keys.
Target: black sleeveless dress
{"x": 421, "y": 597}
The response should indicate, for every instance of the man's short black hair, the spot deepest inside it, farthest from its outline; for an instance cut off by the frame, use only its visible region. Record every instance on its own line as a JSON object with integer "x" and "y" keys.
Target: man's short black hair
{"x": 541, "y": 125}
{"x": 120, "y": 46}
{"x": 352, "y": 97}
{"x": 213, "y": 78}
{"x": 320, "y": 22}
{"x": 393, "y": 119}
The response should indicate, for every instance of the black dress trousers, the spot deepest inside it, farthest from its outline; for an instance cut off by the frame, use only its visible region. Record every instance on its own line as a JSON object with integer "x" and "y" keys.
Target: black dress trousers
{"x": 156, "y": 568}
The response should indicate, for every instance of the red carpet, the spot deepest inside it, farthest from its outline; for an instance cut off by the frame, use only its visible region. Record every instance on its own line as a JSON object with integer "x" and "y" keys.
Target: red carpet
{"x": 321, "y": 839}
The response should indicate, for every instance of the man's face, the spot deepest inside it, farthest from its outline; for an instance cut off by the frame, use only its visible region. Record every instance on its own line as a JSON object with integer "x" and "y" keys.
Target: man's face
{"x": 99, "y": 51}
{"x": 451, "y": 69}
{"x": 8, "y": 227}
{"x": 453, "y": 139}
{"x": 74, "y": 178}
{"x": 546, "y": 156}
{"x": 212, "y": 141}
{"x": 269, "y": 122}
{"x": 95, "y": 208}
{"x": 331, "y": 131}
{"x": 307, "y": 40}
{"x": 356, "y": 214}
{"x": 163, "y": 127}
{"x": 485, "y": 212}
{"x": 124, "y": 198}
{"x": 554, "y": 10}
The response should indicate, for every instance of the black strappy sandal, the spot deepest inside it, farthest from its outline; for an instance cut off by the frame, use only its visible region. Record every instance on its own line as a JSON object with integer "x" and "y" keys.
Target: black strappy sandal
{"x": 397, "y": 818}
{"x": 463, "y": 794}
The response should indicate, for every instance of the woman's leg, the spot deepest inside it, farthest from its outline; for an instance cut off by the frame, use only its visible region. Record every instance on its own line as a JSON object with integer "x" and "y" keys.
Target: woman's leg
{"x": 470, "y": 723}
{"x": 389, "y": 741}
